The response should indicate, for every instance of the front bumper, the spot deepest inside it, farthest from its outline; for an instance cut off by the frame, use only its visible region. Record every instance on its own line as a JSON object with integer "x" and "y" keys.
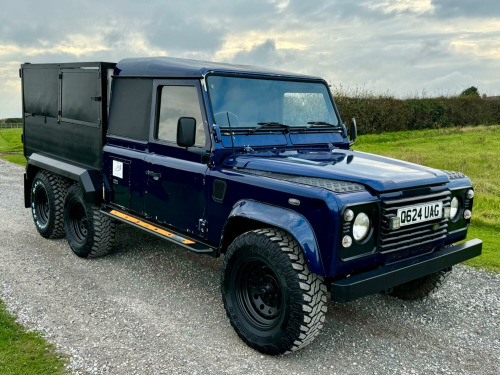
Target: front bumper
{"x": 387, "y": 277}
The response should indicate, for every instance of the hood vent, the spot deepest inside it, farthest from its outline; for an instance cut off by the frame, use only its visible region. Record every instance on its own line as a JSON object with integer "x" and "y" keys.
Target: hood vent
{"x": 332, "y": 185}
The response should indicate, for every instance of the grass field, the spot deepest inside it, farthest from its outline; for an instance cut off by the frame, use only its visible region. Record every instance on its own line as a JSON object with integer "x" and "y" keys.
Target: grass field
{"x": 11, "y": 146}
{"x": 474, "y": 151}
{"x": 25, "y": 353}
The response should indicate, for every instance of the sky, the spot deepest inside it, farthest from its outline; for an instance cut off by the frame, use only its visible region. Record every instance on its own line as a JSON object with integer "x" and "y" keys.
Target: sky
{"x": 402, "y": 47}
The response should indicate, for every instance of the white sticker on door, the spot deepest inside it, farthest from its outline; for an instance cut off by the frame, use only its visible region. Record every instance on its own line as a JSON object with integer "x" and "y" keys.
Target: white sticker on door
{"x": 117, "y": 169}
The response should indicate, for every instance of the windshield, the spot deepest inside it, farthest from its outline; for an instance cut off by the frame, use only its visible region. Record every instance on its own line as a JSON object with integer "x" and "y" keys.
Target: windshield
{"x": 254, "y": 103}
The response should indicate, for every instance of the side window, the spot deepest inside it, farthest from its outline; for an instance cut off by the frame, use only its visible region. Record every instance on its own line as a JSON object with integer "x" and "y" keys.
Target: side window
{"x": 176, "y": 102}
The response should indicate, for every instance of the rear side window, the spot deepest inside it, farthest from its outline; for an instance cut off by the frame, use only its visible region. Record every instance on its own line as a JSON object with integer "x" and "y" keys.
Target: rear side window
{"x": 177, "y": 102}
{"x": 130, "y": 109}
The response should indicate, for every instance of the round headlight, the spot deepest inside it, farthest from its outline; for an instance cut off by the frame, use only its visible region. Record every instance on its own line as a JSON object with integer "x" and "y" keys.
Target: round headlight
{"x": 454, "y": 208}
{"x": 361, "y": 227}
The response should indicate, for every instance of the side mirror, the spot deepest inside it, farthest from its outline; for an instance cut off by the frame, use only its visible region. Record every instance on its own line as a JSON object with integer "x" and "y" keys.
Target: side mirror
{"x": 353, "y": 132}
{"x": 186, "y": 131}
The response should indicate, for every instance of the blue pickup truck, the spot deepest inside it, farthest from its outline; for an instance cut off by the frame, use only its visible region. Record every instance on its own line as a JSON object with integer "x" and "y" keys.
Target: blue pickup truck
{"x": 249, "y": 163}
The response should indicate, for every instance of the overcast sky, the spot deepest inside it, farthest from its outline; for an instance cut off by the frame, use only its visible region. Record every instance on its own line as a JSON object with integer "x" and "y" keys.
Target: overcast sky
{"x": 404, "y": 47}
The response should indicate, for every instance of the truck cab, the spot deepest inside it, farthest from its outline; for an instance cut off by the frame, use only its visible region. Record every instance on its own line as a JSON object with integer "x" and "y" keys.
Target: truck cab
{"x": 249, "y": 163}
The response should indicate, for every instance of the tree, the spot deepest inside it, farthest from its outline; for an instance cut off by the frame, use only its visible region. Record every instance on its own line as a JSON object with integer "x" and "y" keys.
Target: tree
{"x": 471, "y": 92}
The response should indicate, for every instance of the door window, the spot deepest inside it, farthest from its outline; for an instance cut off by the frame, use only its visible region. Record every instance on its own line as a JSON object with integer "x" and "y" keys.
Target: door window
{"x": 176, "y": 102}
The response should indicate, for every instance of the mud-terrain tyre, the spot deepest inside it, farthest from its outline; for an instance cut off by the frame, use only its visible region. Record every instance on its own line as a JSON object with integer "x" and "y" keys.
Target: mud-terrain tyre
{"x": 420, "y": 288}
{"x": 274, "y": 303}
{"x": 90, "y": 234}
{"x": 48, "y": 192}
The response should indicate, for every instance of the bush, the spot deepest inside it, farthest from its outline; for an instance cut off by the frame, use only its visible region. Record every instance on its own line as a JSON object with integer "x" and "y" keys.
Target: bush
{"x": 376, "y": 114}
{"x": 13, "y": 120}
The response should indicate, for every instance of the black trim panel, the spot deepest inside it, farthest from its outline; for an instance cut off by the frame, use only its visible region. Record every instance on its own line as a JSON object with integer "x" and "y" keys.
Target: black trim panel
{"x": 387, "y": 277}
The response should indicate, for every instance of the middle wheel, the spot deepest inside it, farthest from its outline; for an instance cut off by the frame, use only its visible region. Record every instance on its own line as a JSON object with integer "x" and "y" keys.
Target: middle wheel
{"x": 89, "y": 233}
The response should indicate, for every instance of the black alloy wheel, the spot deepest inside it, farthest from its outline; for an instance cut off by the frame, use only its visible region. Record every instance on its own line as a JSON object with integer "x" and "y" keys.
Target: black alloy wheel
{"x": 89, "y": 232}
{"x": 47, "y": 203}
{"x": 78, "y": 221}
{"x": 259, "y": 293}
{"x": 41, "y": 205}
{"x": 274, "y": 303}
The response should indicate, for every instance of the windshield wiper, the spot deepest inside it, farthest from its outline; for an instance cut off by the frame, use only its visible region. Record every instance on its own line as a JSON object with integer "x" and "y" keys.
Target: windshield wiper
{"x": 313, "y": 124}
{"x": 270, "y": 124}
{"x": 318, "y": 124}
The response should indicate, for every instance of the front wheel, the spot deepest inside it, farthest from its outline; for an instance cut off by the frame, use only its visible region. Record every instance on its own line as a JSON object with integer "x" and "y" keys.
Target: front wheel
{"x": 275, "y": 304}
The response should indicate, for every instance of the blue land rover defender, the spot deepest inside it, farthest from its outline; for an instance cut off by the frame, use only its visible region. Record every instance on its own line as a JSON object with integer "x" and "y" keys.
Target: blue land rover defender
{"x": 249, "y": 163}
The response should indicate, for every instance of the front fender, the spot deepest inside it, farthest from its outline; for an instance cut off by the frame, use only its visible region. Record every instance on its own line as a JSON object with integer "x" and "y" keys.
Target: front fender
{"x": 288, "y": 220}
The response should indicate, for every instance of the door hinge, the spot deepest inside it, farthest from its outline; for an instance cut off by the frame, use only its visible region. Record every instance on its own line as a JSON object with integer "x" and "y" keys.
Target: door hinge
{"x": 202, "y": 226}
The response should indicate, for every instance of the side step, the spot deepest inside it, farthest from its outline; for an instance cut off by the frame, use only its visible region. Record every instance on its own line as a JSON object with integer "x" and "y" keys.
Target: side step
{"x": 169, "y": 235}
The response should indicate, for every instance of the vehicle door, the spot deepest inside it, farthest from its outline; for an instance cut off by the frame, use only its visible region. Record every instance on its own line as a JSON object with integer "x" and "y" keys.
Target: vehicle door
{"x": 175, "y": 176}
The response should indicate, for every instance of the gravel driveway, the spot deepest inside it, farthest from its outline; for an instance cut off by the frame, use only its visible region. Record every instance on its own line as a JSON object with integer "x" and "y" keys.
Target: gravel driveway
{"x": 154, "y": 308}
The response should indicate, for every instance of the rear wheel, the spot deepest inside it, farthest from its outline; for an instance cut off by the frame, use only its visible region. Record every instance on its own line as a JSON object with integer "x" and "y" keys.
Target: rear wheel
{"x": 89, "y": 233}
{"x": 275, "y": 304}
{"x": 420, "y": 288}
{"x": 48, "y": 192}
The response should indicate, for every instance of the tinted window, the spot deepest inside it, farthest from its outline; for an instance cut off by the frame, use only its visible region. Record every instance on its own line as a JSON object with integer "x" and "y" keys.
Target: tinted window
{"x": 177, "y": 102}
{"x": 130, "y": 108}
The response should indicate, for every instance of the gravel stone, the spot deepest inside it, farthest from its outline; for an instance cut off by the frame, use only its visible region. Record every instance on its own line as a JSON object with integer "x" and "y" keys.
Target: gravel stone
{"x": 153, "y": 307}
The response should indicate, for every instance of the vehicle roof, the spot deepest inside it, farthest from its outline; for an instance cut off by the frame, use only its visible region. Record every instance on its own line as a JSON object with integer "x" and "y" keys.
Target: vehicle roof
{"x": 170, "y": 67}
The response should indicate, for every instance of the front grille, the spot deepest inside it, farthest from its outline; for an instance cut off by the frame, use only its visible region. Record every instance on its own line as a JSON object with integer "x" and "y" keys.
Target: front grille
{"x": 413, "y": 238}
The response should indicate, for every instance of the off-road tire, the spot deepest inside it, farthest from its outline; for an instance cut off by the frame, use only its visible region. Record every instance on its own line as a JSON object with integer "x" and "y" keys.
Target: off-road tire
{"x": 292, "y": 317}
{"x": 420, "y": 288}
{"x": 90, "y": 234}
{"x": 48, "y": 192}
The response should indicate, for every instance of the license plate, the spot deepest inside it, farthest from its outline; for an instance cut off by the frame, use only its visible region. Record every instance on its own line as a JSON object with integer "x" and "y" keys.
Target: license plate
{"x": 420, "y": 212}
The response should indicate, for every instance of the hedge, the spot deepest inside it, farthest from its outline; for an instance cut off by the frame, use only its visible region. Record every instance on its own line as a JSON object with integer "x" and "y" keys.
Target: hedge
{"x": 384, "y": 114}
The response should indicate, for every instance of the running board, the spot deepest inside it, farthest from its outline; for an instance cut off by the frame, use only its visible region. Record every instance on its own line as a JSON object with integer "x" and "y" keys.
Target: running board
{"x": 169, "y": 235}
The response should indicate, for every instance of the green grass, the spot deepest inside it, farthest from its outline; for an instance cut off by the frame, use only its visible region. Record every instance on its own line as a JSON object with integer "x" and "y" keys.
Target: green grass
{"x": 10, "y": 141}
{"x": 474, "y": 151}
{"x": 25, "y": 353}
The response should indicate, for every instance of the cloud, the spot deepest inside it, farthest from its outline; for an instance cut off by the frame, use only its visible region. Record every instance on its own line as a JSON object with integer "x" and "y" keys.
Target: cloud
{"x": 400, "y": 46}
{"x": 466, "y": 8}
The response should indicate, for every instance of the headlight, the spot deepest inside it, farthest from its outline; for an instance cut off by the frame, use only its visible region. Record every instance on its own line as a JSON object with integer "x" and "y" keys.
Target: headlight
{"x": 361, "y": 227}
{"x": 454, "y": 208}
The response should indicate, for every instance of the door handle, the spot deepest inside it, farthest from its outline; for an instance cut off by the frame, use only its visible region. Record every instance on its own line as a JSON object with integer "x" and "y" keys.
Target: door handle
{"x": 156, "y": 175}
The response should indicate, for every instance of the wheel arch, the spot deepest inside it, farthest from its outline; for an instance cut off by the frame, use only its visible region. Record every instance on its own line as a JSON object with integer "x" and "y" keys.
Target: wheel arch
{"x": 88, "y": 179}
{"x": 248, "y": 215}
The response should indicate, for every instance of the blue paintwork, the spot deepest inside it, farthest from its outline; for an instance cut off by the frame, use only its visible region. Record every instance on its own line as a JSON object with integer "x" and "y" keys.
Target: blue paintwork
{"x": 171, "y": 67}
{"x": 378, "y": 172}
{"x": 184, "y": 193}
{"x": 286, "y": 219}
